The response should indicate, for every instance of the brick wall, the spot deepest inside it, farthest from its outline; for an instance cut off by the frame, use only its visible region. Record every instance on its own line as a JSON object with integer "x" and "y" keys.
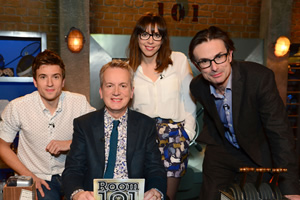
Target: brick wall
{"x": 295, "y": 25}
{"x": 33, "y": 16}
{"x": 239, "y": 17}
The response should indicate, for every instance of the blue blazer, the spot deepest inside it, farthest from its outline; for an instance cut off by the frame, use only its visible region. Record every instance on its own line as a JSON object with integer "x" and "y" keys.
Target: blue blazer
{"x": 259, "y": 119}
{"x": 86, "y": 158}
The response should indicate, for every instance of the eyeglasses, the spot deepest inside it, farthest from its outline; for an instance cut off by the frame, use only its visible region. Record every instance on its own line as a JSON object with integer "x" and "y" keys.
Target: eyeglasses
{"x": 206, "y": 63}
{"x": 155, "y": 36}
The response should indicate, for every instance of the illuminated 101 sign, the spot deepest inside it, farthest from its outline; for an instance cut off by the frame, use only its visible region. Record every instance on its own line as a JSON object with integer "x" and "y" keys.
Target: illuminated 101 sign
{"x": 178, "y": 11}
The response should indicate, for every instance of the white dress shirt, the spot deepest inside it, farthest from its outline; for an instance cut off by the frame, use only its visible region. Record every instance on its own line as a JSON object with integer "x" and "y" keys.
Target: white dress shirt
{"x": 37, "y": 127}
{"x": 169, "y": 96}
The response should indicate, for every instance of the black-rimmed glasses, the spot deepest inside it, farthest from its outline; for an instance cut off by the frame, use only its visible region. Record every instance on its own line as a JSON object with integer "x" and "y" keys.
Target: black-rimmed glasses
{"x": 206, "y": 63}
{"x": 155, "y": 36}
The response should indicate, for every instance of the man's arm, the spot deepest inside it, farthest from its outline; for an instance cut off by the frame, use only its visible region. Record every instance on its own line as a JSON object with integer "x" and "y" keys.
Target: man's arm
{"x": 11, "y": 159}
{"x": 74, "y": 172}
{"x": 273, "y": 115}
{"x": 156, "y": 177}
{"x": 56, "y": 147}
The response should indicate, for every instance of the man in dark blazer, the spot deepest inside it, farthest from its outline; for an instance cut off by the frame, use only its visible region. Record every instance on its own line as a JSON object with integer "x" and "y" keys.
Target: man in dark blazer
{"x": 245, "y": 121}
{"x": 137, "y": 155}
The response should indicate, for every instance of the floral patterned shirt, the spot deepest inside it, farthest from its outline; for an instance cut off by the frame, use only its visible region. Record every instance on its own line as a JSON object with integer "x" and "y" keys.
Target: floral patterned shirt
{"x": 120, "y": 171}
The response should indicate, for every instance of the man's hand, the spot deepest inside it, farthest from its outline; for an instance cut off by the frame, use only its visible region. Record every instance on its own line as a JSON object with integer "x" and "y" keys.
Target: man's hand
{"x": 56, "y": 147}
{"x": 38, "y": 184}
{"x": 152, "y": 194}
{"x": 11, "y": 159}
{"x": 84, "y": 195}
{"x": 293, "y": 197}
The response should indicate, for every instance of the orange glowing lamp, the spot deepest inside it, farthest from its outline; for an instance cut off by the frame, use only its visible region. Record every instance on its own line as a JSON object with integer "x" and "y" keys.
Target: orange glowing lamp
{"x": 75, "y": 40}
{"x": 282, "y": 46}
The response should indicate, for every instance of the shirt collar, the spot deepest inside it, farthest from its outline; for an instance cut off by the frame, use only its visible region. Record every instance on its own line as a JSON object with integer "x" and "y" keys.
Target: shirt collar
{"x": 228, "y": 87}
{"x": 59, "y": 105}
{"x": 61, "y": 98}
{"x": 110, "y": 119}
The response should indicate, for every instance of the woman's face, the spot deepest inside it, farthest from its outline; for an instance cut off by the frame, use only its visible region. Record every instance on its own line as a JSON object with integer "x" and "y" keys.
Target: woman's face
{"x": 150, "y": 46}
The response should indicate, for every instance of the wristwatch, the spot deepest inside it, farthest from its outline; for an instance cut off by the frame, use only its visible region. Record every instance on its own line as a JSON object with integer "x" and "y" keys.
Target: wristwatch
{"x": 75, "y": 192}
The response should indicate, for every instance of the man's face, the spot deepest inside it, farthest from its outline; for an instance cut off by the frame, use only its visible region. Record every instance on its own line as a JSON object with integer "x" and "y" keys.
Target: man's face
{"x": 216, "y": 74}
{"x": 49, "y": 82}
{"x": 116, "y": 91}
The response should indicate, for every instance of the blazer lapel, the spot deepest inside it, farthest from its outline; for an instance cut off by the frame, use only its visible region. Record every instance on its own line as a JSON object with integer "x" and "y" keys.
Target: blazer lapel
{"x": 132, "y": 135}
{"x": 237, "y": 90}
{"x": 99, "y": 137}
{"x": 211, "y": 108}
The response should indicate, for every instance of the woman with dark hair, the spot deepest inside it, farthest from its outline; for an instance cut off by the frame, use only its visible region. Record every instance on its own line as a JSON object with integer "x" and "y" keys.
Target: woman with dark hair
{"x": 161, "y": 91}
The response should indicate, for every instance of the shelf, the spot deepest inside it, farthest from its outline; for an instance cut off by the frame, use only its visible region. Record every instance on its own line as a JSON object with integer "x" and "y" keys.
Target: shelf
{"x": 293, "y": 92}
{"x": 293, "y": 104}
{"x": 16, "y": 79}
{"x": 292, "y": 80}
{"x": 293, "y": 116}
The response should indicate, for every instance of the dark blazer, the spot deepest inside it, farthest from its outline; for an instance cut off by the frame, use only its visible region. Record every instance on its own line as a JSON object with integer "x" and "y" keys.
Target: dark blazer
{"x": 86, "y": 159}
{"x": 259, "y": 119}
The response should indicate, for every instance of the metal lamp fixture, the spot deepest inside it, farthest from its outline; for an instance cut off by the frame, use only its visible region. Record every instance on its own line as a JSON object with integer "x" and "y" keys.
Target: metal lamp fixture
{"x": 282, "y": 46}
{"x": 75, "y": 40}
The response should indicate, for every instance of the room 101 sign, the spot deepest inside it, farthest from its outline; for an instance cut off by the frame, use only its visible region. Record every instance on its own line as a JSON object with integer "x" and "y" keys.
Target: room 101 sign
{"x": 119, "y": 189}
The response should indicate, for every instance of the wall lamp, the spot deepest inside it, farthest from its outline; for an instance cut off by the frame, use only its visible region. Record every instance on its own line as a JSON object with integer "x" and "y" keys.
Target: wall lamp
{"x": 75, "y": 40}
{"x": 282, "y": 46}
